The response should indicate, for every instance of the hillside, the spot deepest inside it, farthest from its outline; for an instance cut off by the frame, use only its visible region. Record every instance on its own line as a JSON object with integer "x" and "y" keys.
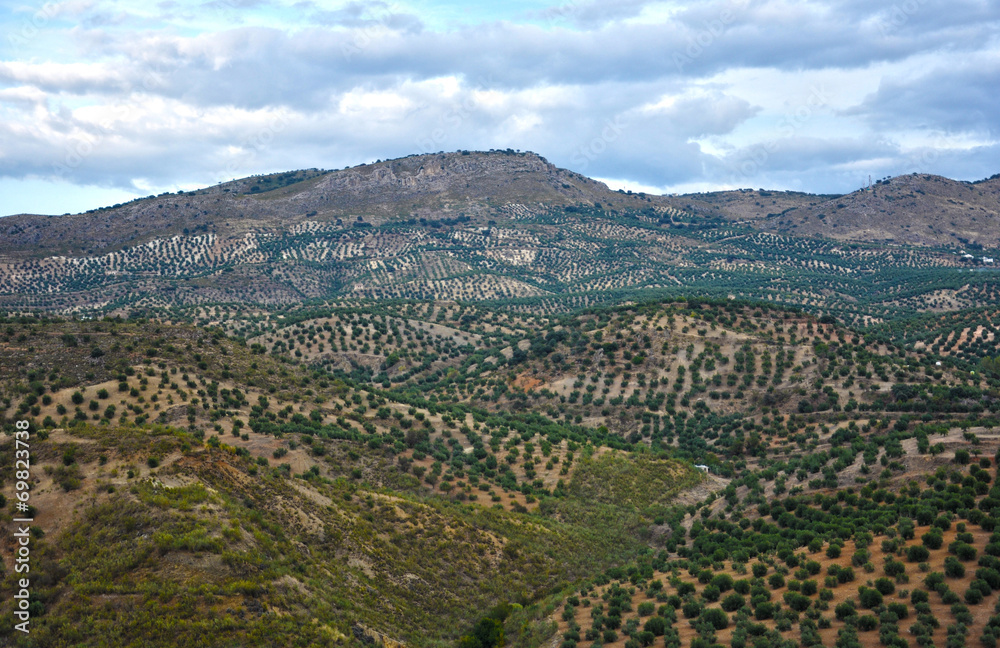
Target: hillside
{"x": 503, "y": 226}
{"x": 912, "y": 209}
{"x": 394, "y": 471}
{"x": 474, "y": 400}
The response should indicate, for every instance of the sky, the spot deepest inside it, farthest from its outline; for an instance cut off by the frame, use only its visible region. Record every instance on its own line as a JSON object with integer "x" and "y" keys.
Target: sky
{"x": 102, "y": 101}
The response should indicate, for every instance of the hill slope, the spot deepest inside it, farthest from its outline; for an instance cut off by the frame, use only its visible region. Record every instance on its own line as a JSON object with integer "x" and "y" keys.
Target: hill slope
{"x": 500, "y": 226}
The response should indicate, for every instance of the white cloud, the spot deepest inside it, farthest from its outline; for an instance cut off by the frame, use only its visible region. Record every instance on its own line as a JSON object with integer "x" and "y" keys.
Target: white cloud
{"x": 183, "y": 92}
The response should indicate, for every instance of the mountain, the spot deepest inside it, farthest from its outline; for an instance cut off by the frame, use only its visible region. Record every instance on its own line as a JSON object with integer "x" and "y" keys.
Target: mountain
{"x": 503, "y": 225}
{"x": 915, "y": 209}
{"x": 475, "y": 400}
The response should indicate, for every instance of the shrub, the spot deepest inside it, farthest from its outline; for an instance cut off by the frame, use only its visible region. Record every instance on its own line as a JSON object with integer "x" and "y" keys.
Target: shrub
{"x": 973, "y": 596}
{"x": 953, "y": 568}
{"x": 716, "y": 617}
{"x": 797, "y": 602}
{"x": 723, "y": 581}
{"x": 917, "y": 553}
{"x": 870, "y": 598}
{"x": 764, "y": 610}
{"x": 894, "y": 568}
{"x": 844, "y": 610}
{"x": 867, "y": 623}
{"x": 656, "y": 625}
{"x": 990, "y": 575}
{"x": 885, "y": 586}
{"x": 845, "y": 575}
{"x": 691, "y": 609}
{"x": 965, "y": 552}
{"x": 732, "y": 602}
{"x": 942, "y": 522}
{"x": 899, "y": 609}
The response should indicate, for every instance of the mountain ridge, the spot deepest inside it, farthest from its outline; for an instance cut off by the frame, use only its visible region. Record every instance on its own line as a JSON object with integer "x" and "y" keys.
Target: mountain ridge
{"x": 495, "y": 225}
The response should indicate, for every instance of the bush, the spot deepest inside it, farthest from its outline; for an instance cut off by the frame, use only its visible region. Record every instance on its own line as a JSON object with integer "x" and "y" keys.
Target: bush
{"x": 933, "y": 579}
{"x": 867, "y": 623}
{"x": 885, "y": 586}
{"x": 716, "y": 617}
{"x": 899, "y": 609}
{"x": 691, "y": 609}
{"x": 870, "y": 598}
{"x": 942, "y": 522}
{"x": 953, "y": 568}
{"x": 844, "y": 610}
{"x": 733, "y": 602}
{"x": 932, "y": 539}
{"x": 845, "y": 575}
{"x": 797, "y": 602}
{"x": 965, "y": 552}
{"x": 656, "y": 625}
{"x": 991, "y": 576}
{"x": 894, "y": 568}
{"x": 764, "y": 610}
{"x": 917, "y": 553}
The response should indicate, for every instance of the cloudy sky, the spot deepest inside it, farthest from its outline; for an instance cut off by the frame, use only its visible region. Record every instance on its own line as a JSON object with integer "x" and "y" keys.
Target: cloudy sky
{"x": 105, "y": 100}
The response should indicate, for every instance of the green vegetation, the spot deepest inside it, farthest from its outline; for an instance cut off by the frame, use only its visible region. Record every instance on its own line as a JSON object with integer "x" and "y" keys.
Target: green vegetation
{"x": 609, "y": 424}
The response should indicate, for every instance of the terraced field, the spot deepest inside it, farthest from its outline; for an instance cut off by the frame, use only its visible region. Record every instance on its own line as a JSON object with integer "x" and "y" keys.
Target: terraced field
{"x": 284, "y": 239}
{"x": 474, "y": 400}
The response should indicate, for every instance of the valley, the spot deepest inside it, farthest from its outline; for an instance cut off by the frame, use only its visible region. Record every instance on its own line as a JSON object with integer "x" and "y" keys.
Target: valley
{"x": 475, "y": 400}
